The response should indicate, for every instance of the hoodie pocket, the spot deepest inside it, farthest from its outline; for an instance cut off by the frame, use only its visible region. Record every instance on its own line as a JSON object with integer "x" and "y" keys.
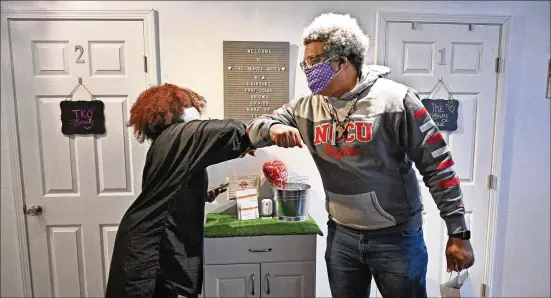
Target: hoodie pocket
{"x": 361, "y": 211}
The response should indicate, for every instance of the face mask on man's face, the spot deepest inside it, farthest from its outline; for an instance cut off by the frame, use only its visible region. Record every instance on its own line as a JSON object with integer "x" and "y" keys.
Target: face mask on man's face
{"x": 319, "y": 76}
{"x": 191, "y": 114}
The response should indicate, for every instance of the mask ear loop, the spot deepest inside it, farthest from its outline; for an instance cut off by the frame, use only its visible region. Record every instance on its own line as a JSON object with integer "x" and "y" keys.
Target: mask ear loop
{"x": 341, "y": 61}
{"x": 458, "y": 276}
{"x": 458, "y": 282}
{"x": 340, "y": 68}
{"x": 338, "y": 71}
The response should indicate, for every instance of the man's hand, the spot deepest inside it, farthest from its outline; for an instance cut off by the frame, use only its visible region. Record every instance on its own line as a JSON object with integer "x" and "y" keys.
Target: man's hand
{"x": 285, "y": 136}
{"x": 459, "y": 254}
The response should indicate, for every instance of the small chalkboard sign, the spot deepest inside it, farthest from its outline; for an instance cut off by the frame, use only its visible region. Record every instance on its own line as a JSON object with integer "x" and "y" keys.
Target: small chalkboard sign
{"x": 444, "y": 112}
{"x": 82, "y": 117}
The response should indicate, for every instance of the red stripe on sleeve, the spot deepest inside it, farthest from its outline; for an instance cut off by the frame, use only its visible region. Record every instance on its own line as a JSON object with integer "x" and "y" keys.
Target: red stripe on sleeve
{"x": 435, "y": 138}
{"x": 449, "y": 183}
{"x": 420, "y": 113}
{"x": 445, "y": 164}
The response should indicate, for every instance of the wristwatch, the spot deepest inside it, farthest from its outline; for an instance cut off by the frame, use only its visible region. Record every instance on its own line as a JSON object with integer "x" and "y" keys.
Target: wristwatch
{"x": 465, "y": 235}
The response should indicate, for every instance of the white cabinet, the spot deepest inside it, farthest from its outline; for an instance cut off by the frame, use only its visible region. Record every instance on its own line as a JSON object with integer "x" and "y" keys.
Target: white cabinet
{"x": 239, "y": 281}
{"x": 288, "y": 279}
{"x": 263, "y": 266}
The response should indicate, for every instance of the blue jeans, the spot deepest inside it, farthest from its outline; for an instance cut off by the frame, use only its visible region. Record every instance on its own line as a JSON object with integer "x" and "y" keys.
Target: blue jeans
{"x": 397, "y": 261}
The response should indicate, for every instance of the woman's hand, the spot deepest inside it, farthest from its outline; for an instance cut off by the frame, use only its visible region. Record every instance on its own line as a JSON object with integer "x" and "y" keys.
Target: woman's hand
{"x": 249, "y": 151}
{"x": 214, "y": 192}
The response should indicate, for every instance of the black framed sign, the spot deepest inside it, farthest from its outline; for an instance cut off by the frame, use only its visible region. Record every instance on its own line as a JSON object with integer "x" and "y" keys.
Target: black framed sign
{"x": 444, "y": 112}
{"x": 82, "y": 117}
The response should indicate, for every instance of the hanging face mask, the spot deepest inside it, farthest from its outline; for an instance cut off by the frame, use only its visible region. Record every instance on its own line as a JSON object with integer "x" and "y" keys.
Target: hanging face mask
{"x": 191, "y": 114}
{"x": 454, "y": 287}
{"x": 319, "y": 76}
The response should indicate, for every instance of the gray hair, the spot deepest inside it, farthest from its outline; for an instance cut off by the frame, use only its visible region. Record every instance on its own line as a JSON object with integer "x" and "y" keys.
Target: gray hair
{"x": 341, "y": 35}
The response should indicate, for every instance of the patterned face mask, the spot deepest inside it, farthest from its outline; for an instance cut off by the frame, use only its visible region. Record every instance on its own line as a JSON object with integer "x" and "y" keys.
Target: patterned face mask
{"x": 319, "y": 76}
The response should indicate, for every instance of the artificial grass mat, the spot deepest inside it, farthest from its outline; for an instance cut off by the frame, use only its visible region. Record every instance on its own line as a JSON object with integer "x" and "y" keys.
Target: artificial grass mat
{"x": 221, "y": 225}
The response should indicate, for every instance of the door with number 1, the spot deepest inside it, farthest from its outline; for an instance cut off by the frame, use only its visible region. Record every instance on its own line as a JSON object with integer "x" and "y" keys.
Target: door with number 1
{"x": 76, "y": 188}
{"x": 464, "y": 57}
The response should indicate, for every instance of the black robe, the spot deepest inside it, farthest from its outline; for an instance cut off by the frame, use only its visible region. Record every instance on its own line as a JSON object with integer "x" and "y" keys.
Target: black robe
{"x": 159, "y": 242}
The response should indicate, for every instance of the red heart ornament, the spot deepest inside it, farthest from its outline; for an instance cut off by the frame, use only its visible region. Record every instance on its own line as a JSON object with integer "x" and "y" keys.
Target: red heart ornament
{"x": 276, "y": 173}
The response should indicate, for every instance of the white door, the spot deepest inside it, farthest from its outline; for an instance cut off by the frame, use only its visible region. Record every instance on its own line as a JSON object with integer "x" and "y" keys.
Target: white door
{"x": 465, "y": 60}
{"x": 83, "y": 184}
{"x": 289, "y": 280}
{"x": 236, "y": 281}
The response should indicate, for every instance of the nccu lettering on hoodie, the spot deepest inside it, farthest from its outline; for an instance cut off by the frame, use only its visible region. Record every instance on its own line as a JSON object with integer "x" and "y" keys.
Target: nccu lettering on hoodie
{"x": 359, "y": 131}
{"x": 369, "y": 178}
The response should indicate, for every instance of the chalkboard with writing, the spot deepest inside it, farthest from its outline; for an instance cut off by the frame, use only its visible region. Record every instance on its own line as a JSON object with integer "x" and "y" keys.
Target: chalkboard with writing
{"x": 443, "y": 112}
{"x": 256, "y": 78}
{"x": 82, "y": 117}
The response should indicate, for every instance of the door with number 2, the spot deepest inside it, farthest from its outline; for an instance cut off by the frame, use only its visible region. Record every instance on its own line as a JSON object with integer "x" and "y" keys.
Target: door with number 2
{"x": 76, "y": 188}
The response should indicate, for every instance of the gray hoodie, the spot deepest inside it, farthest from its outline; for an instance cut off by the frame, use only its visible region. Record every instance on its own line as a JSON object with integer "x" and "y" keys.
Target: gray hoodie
{"x": 369, "y": 180}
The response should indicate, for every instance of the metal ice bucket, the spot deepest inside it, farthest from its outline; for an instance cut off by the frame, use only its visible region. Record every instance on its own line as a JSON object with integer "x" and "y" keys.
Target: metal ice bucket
{"x": 291, "y": 201}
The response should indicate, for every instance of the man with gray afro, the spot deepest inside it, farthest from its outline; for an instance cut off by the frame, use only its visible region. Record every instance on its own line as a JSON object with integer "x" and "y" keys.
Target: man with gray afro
{"x": 365, "y": 132}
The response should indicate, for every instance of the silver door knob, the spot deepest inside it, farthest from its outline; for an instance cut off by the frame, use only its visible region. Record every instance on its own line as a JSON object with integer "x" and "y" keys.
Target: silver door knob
{"x": 34, "y": 210}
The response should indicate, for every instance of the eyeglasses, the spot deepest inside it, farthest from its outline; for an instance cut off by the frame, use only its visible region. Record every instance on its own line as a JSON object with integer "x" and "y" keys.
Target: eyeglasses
{"x": 309, "y": 62}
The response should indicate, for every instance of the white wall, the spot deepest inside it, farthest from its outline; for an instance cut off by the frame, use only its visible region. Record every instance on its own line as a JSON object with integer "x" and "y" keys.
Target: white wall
{"x": 191, "y": 35}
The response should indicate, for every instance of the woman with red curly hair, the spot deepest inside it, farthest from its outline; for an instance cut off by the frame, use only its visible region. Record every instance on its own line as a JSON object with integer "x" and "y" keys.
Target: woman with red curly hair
{"x": 159, "y": 244}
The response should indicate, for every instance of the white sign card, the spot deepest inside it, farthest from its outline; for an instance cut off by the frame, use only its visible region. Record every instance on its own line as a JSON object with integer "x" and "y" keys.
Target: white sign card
{"x": 241, "y": 183}
{"x": 247, "y": 204}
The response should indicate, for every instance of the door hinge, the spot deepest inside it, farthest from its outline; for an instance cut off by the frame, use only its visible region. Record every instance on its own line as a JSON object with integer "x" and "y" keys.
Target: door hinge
{"x": 145, "y": 63}
{"x": 483, "y": 288}
{"x": 498, "y": 64}
{"x": 492, "y": 182}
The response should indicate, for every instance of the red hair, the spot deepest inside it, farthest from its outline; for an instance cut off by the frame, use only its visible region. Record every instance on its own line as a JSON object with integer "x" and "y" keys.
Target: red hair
{"x": 159, "y": 107}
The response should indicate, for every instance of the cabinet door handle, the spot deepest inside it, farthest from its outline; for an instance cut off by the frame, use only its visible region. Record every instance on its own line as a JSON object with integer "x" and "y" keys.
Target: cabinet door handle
{"x": 268, "y": 283}
{"x": 252, "y": 282}
{"x": 260, "y": 250}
